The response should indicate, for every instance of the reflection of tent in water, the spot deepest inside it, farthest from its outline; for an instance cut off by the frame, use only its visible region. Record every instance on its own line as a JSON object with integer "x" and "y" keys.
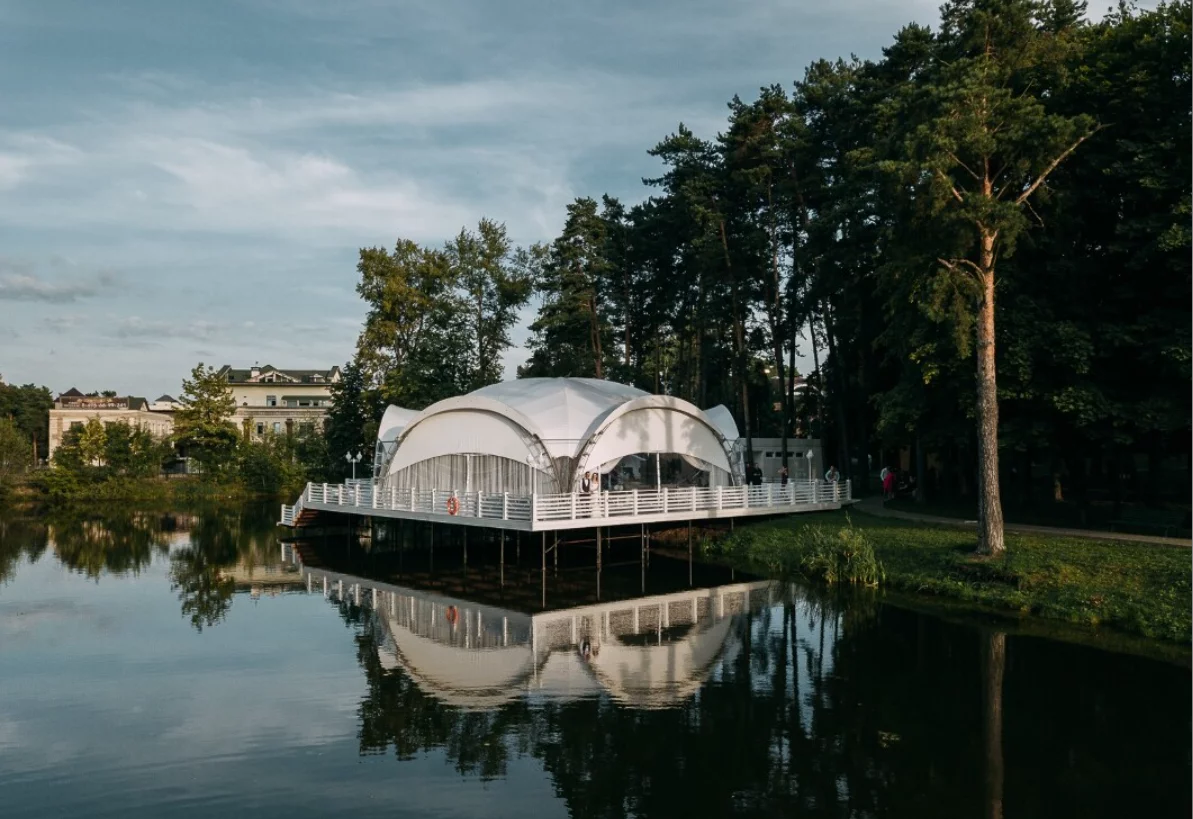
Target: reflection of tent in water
{"x": 652, "y": 676}
{"x": 647, "y": 653}
{"x": 464, "y": 677}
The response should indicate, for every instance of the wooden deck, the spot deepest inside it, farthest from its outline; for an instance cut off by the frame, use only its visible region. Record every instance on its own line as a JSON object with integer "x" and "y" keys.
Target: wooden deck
{"x": 543, "y": 513}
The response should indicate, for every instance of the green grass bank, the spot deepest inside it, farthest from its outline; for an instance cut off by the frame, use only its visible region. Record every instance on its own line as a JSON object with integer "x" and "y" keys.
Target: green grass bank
{"x": 1142, "y": 589}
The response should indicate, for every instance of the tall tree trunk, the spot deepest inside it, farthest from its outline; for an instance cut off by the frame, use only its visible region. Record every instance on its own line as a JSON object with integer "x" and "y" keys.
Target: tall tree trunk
{"x": 595, "y": 330}
{"x": 990, "y": 523}
{"x": 776, "y": 320}
{"x": 819, "y": 374}
{"x": 789, "y": 417}
{"x": 628, "y": 312}
{"x": 834, "y": 351}
{"x": 994, "y": 658}
{"x": 739, "y": 342}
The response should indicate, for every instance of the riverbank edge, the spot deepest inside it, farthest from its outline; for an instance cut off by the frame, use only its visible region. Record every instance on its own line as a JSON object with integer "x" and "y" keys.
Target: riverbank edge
{"x": 1105, "y": 589}
{"x": 31, "y": 495}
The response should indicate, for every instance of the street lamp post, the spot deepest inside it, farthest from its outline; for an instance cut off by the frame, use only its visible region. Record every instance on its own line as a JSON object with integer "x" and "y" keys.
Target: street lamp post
{"x": 354, "y": 460}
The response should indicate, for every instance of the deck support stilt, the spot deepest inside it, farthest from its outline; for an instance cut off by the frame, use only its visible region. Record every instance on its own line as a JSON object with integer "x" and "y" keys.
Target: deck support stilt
{"x": 544, "y": 570}
{"x": 689, "y": 553}
{"x": 503, "y": 558}
{"x": 598, "y": 551}
{"x": 642, "y": 557}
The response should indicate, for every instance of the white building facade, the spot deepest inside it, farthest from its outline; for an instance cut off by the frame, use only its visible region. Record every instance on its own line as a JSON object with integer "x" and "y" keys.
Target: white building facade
{"x": 272, "y": 401}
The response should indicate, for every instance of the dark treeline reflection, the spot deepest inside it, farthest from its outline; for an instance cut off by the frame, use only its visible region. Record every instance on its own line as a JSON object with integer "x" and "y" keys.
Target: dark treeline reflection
{"x": 834, "y": 710}
{"x": 202, "y": 545}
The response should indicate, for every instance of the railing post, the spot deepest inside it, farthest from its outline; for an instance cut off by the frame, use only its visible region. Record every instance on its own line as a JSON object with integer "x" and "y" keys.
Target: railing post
{"x": 814, "y": 492}
{"x": 412, "y": 499}
{"x": 480, "y": 512}
{"x": 665, "y": 493}
{"x": 770, "y": 494}
{"x": 573, "y": 505}
{"x": 635, "y": 503}
{"x": 534, "y": 507}
{"x": 505, "y": 505}
{"x": 434, "y": 505}
{"x": 720, "y": 492}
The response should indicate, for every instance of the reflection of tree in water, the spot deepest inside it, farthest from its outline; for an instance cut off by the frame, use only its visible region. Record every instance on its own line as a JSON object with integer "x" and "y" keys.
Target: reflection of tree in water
{"x": 114, "y": 542}
{"x": 219, "y": 539}
{"x": 20, "y": 537}
{"x": 751, "y": 742}
{"x": 829, "y": 711}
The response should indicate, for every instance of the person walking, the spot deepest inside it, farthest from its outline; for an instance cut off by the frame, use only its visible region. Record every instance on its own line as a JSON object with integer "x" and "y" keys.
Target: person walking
{"x": 888, "y": 484}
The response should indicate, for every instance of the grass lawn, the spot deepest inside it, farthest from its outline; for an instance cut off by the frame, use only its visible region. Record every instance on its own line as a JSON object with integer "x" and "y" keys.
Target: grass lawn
{"x": 1141, "y": 588}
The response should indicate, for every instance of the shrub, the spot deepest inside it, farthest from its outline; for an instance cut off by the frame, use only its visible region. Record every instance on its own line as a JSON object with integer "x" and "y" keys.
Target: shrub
{"x": 842, "y": 556}
{"x": 832, "y": 555}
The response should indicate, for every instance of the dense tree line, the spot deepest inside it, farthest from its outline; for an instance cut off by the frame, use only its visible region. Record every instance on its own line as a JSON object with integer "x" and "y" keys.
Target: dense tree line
{"x": 24, "y": 427}
{"x": 1005, "y": 196}
{"x": 1009, "y": 193}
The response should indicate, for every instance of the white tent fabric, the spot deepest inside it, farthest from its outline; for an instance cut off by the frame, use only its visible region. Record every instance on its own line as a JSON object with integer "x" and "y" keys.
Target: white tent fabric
{"x": 722, "y": 419}
{"x": 657, "y": 424}
{"x": 393, "y": 422}
{"x": 555, "y": 427}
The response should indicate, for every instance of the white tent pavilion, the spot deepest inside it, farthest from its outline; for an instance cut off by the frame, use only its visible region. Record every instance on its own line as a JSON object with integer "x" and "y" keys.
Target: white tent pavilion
{"x": 543, "y": 435}
{"x": 514, "y": 455}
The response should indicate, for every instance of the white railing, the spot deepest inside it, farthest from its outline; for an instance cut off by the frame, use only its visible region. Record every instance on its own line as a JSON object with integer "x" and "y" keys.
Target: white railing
{"x": 674, "y": 500}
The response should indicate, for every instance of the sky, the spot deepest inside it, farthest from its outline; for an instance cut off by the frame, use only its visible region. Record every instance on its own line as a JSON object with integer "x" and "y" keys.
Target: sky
{"x": 185, "y": 182}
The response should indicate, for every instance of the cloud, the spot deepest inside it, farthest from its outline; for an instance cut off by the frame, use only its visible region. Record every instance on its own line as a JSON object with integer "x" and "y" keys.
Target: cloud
{"x": 197, "y": 329}
{"x": 22, "y": 286}
{"x": 22, "y": 154}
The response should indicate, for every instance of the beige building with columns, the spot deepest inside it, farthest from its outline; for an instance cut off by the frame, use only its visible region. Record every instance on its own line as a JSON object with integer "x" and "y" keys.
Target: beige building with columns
{"x": 73, "y": 409}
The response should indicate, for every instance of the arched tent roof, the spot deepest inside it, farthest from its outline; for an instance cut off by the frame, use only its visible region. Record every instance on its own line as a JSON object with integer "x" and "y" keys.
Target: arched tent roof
{"x": 540, "y": 421}
{"x": 722, "y": 419}
{"x": 562, "y": 410}
{"x": 394, "y": 422}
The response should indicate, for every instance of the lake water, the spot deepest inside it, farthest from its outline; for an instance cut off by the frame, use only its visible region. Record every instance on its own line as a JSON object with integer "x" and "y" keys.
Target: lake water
{"x": 191, "y": 665}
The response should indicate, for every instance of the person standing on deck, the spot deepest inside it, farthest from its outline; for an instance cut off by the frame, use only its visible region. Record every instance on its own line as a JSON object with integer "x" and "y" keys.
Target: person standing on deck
{"x": 832, "y": 476}
{"x": 783, "y": 476}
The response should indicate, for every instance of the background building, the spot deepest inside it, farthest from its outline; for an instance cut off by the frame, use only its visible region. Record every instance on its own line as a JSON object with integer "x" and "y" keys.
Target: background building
{"x": 279, "y": 401}
{"x": 74, "y": 409}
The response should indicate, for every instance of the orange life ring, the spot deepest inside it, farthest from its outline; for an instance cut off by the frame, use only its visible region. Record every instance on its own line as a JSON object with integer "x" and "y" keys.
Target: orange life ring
{"x": 453, "y": 505}
{"x": 453, "y": 614}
